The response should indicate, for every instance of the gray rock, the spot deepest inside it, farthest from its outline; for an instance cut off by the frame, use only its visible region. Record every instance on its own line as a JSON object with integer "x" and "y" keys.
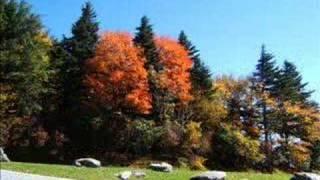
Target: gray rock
{"x": 3, "y": 156}
{"x": 210, "y": 175}
{"x": 125, "y": 175}
{"x": 305, "y": 176}
{"x": 164, "y": 167}
{"x": 139, "y": 174}
{"x": 87, "y": 162}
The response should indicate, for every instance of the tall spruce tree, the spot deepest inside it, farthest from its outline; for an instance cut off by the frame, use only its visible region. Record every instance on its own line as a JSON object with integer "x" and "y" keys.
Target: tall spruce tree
{"x": 289, "y": 86}
{"x": 78, "y": 48}
{"x": 75, "y": 51}
{"x": 85, "y": 34}
{"x": 289, "y": 89}
{"x": 264, "y": 79}
{"x": 144, "y": 38}
{"x": 200, "y": 73}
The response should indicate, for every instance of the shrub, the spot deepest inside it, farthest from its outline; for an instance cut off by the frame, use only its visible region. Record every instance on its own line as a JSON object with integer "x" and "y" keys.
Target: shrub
{"x": 193, "y": 135}
{"x": 300, "y": 156}
{"x": 183, "y": 162}
{"x": 197, "y": 162}
{"x": 233, "y": 149}
{"x": 142, "y": 136}
{"x": 19, "y": 132}
{"x": 171, "y": 138}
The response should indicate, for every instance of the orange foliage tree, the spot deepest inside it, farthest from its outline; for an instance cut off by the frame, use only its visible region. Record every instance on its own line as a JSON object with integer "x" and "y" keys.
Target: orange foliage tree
{"x": 116, "y": 75}
{"x": 175, "y": 76}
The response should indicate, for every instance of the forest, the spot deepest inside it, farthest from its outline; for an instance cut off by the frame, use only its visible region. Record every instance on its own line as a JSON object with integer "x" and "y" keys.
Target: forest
{"x": 128, "y": 98}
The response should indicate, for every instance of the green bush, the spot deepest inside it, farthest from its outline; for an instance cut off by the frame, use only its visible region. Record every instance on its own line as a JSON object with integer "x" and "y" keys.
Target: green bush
{"x": 233, "y": 149}
{"x": 142, "y": 136}
{"x": 171, "y": 138}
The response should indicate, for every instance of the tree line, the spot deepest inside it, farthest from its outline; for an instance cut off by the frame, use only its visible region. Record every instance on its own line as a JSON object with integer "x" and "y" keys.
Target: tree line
{"x": 128, "y": 99}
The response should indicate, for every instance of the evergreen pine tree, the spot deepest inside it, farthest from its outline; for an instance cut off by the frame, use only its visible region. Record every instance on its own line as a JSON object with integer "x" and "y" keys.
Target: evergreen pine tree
{"x": 55, "y": 101}
{"x": 289, "y": 89}
{"x": 144, "y": 38}
{"x": 85, "y": 34}
{"x": 264, "y": 79}
{"x": 266, "y": 71}
{"x": 75, "y": 51}
{"x": 289, "y": 86}
{"x": 200, "y": 73}
{"x": 78, "y": 48}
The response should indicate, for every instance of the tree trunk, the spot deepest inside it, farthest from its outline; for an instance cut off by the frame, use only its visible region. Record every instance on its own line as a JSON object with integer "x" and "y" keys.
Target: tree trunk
{"x": 267, "y": 139}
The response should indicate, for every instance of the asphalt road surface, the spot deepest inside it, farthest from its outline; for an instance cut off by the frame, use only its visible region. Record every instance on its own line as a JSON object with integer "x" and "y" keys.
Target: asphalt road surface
{"x": 12, "y": 175}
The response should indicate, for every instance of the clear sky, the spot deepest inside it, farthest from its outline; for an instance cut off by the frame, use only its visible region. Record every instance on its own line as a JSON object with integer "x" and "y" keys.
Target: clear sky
{"x": 229, "y": 33}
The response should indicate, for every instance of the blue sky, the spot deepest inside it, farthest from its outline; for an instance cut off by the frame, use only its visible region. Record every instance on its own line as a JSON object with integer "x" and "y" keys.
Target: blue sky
{"x": 229, "y": 33}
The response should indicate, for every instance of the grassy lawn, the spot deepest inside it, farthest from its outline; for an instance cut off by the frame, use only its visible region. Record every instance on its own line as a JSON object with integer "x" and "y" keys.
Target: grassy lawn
{"x": 109, "y": 172}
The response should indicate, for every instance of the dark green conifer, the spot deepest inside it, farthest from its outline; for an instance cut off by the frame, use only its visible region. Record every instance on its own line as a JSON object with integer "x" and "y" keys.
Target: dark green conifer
{"x": 74, "y": 51}
{"x": 144, "y": 38}
{"x": 85, "y": 34}
{"x": 289, "y": 86}
{"x": 264, "y": 80}
{"x": 78, "y": 49}
{"x": 266, "y": 71}
{"x": 200, "y": 73}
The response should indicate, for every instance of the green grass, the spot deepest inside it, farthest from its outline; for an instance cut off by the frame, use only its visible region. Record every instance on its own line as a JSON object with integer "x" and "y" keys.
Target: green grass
{"x": 109, "y": 172}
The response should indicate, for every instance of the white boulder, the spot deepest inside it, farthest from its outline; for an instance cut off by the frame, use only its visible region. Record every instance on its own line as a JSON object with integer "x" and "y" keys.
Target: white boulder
{"x": 164, "y": 167}
{"x": 139, "y": 174}
{"x": 125, "y": 175}
{"x": 3, "y": 156}
{"x": 210, "y": 175}
{"x": 305, "y": 176}
{"x": 87, "y": 162}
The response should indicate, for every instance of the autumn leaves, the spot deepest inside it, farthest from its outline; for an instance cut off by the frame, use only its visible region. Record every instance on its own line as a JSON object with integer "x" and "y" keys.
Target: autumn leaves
{"x": 117, "y": 74}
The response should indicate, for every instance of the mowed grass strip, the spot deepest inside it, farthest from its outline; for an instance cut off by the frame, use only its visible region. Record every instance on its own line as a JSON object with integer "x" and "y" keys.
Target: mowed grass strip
{"x": 108, "y": 172}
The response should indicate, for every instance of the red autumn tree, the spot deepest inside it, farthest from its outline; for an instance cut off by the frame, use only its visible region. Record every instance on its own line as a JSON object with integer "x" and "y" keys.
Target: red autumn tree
{"x": 116, "y": 75}
{"x": 176, "y": 63}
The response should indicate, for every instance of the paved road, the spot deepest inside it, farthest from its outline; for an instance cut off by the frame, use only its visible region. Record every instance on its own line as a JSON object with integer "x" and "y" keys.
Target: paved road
{"x": 12, "y": 175}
